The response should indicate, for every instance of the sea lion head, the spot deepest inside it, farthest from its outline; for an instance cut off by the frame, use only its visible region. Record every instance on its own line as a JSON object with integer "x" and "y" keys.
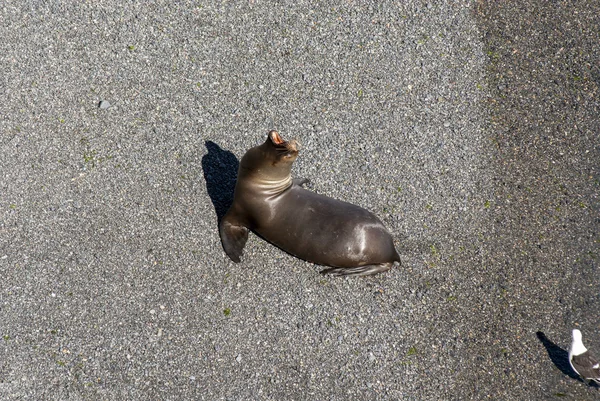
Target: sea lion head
{"x": 272, "y": 160}
{"x": 285, "y": 151}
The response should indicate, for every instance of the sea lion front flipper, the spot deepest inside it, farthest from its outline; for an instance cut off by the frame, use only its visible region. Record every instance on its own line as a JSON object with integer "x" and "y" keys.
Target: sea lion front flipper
{"x": 300, "y": 181}
{"x": 233, "y": 238}
{"x": 366, "y": 270}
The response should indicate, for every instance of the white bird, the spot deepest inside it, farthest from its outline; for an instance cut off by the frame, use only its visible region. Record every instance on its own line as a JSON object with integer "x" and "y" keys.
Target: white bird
{"x": 582, "y": 361}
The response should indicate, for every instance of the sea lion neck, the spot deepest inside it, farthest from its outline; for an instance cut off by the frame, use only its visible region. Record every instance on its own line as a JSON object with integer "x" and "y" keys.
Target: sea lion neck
{"x": 274, "y": 187}
{"x": 258, "y": 170}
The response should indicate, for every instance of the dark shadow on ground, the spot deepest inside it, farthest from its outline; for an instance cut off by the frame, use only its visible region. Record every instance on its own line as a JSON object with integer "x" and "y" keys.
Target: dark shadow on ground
{"x": 220, "y": 172}
{"x": 558, "y": 356}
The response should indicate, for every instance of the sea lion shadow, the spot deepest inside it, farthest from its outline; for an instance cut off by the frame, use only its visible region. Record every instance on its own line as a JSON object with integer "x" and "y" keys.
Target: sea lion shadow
{"x": 220, "y": 173}
{"x": 558, "y": 356}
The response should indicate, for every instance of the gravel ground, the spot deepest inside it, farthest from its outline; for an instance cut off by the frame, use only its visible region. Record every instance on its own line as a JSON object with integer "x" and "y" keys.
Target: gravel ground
{"x": 470, "y": 128}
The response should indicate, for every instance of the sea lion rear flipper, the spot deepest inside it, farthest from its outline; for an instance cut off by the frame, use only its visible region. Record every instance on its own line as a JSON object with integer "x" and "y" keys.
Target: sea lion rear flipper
{"x": 359, "y": 270}
{"x": 233, "y": 238}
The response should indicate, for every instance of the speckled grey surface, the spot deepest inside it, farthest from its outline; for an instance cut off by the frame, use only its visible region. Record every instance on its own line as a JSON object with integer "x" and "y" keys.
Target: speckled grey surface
{"x": 471, "y": 129}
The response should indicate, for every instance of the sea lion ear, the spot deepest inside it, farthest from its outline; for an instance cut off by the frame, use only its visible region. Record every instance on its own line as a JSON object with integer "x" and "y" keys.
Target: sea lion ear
{"x": 275, "y": 138}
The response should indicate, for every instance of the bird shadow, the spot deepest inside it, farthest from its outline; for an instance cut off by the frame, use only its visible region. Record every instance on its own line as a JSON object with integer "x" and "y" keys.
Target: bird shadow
{"x": 220, "y": 172}
{"x": 558, "y": 356}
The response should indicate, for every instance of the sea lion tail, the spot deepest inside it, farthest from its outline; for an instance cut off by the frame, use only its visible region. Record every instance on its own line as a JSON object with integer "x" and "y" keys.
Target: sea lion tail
{"x": 366, "y": 270}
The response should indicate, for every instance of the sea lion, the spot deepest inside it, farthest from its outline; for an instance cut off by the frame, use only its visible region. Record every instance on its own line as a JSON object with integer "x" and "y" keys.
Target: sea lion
{"x": 313, "y": 227}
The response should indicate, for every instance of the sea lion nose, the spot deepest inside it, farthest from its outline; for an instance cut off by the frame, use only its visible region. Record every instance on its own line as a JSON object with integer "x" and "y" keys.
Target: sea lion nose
{"x": 294, "y": 145}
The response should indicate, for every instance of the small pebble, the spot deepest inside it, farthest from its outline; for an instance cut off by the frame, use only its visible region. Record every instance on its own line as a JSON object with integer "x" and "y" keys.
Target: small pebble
{"x": 104, "y": 104}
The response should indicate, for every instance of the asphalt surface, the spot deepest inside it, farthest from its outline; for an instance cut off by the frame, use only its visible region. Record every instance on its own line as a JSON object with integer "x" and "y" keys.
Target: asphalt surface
{"x": 470, "y": 128}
